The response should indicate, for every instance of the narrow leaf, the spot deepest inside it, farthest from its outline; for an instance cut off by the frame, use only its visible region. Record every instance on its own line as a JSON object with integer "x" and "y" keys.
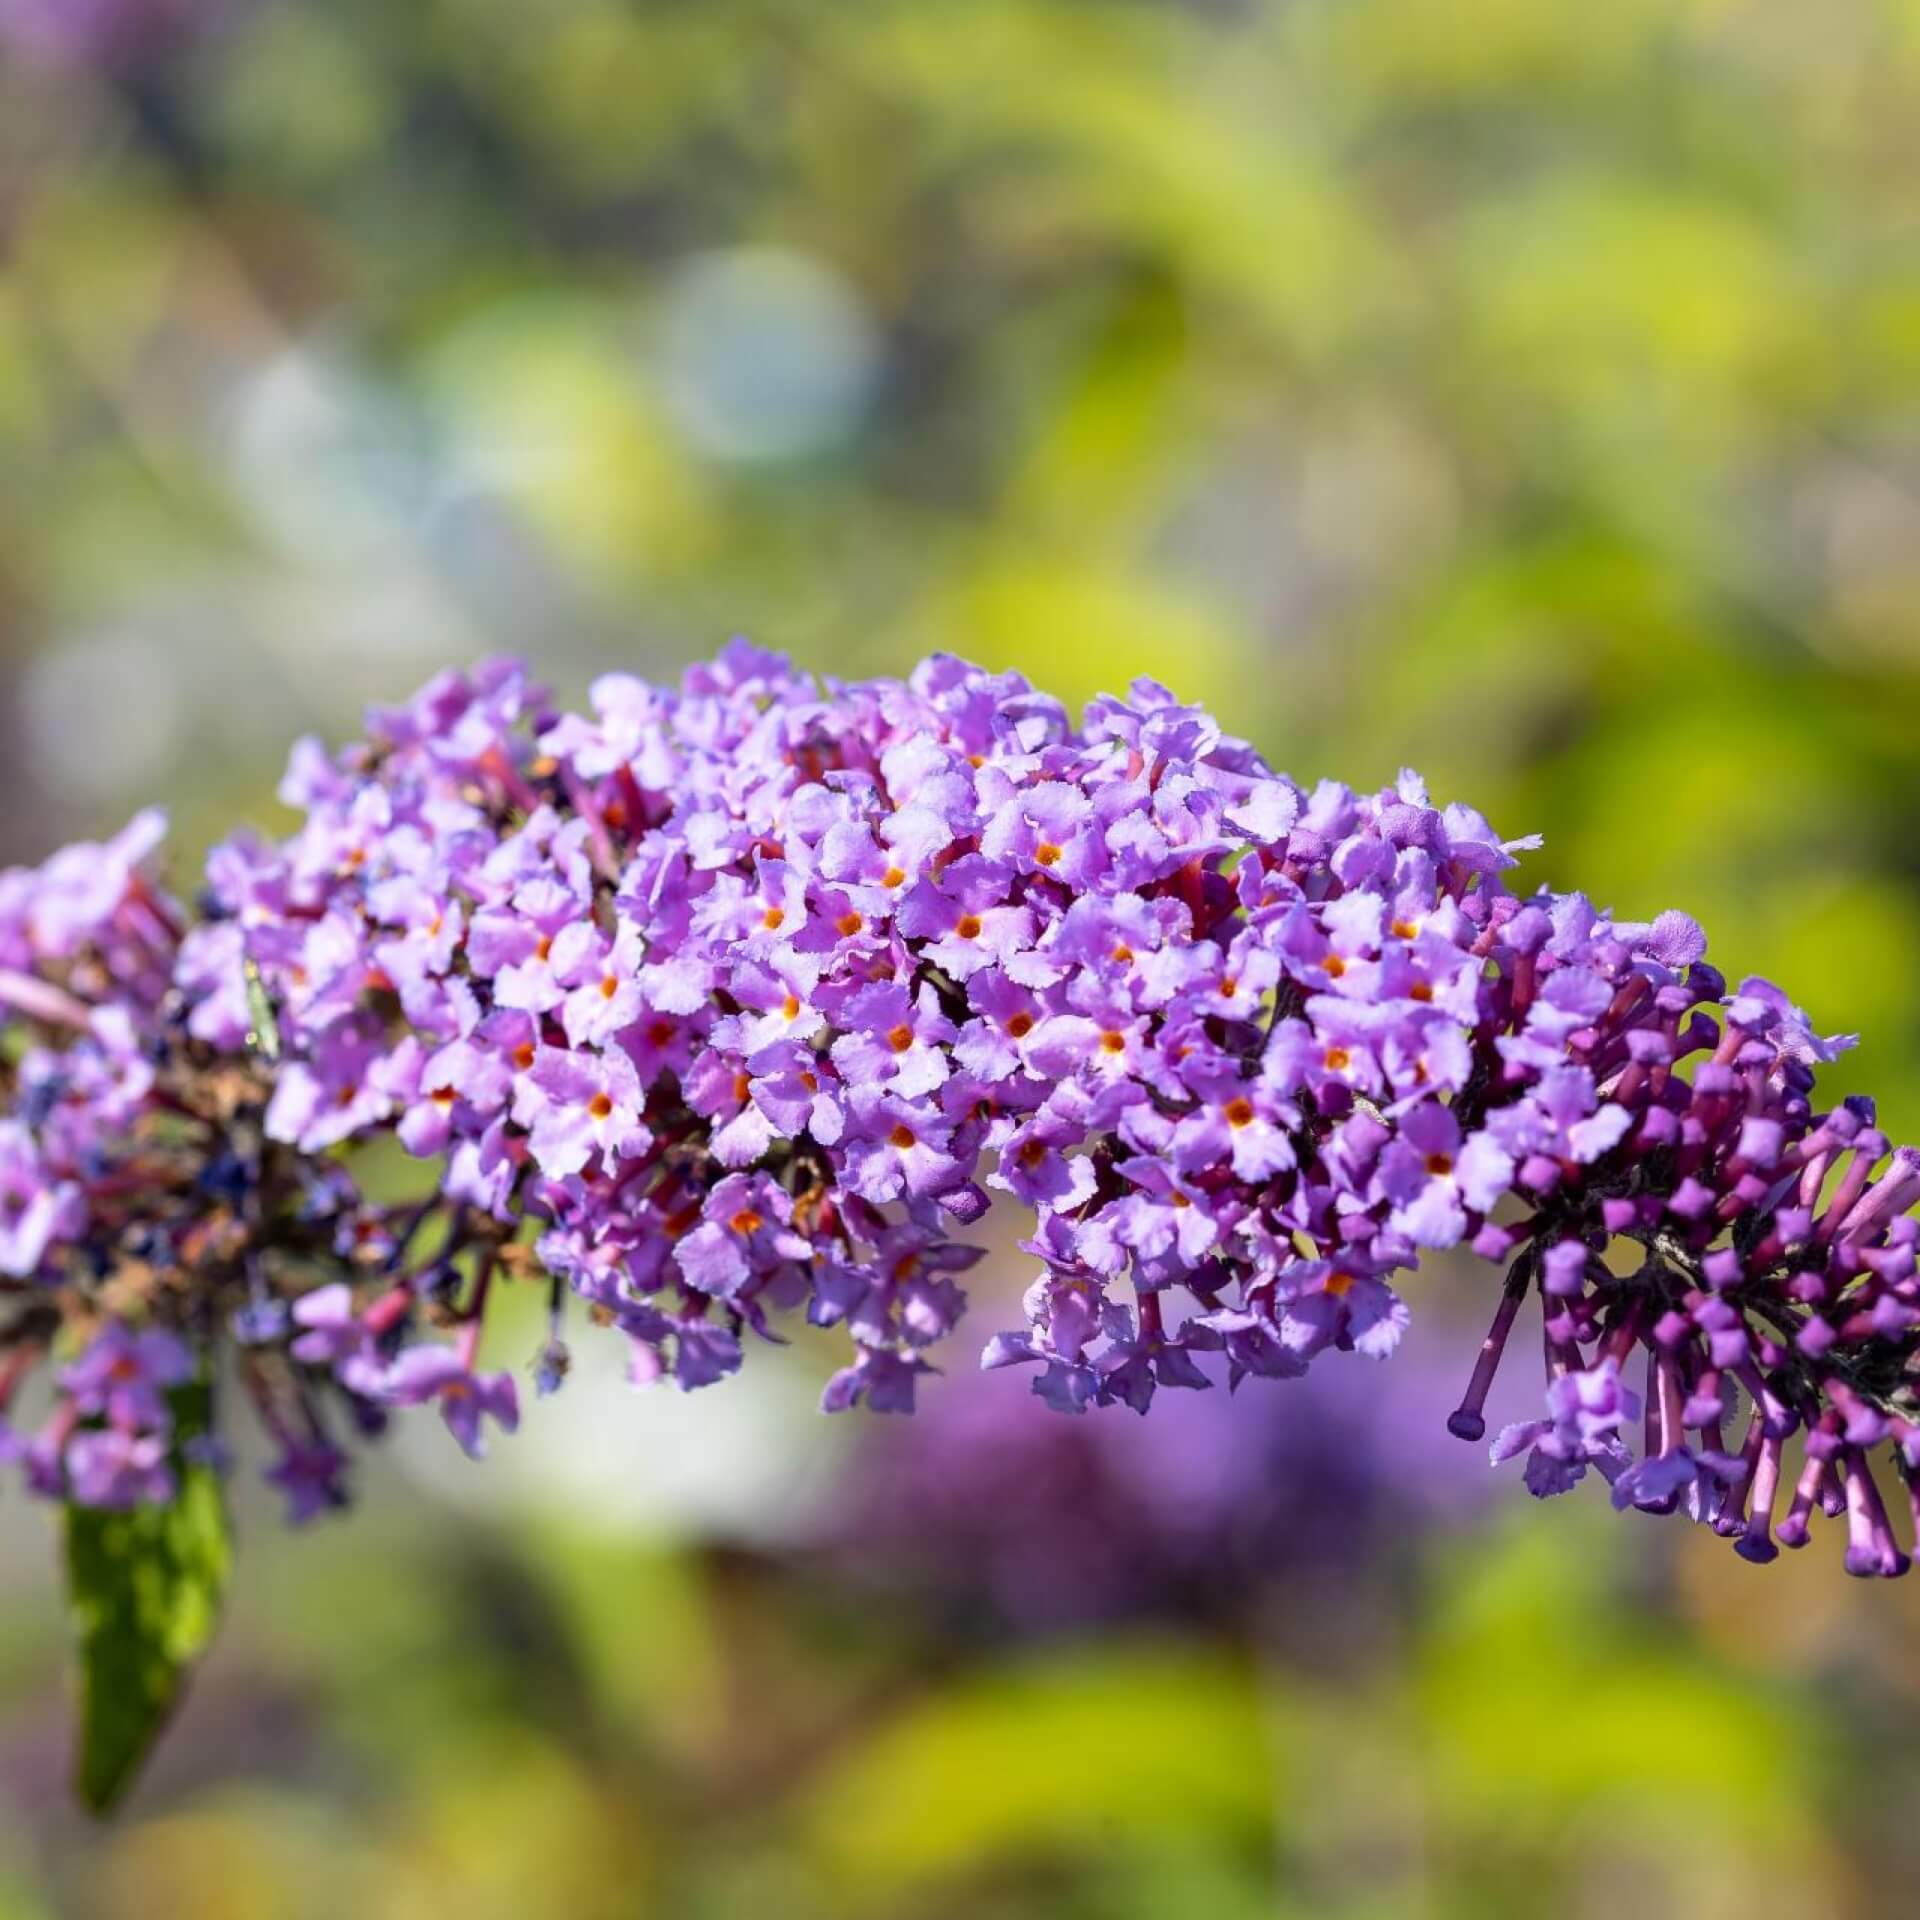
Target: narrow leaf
{"x": 145, "y": 1588}
{"x": 263, "y": 1033}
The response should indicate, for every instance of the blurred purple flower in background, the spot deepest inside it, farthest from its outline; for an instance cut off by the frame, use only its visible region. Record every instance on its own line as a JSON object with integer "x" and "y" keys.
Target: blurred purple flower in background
{"x": 1020, "y": 1526}
{"x": 82, "y": 31}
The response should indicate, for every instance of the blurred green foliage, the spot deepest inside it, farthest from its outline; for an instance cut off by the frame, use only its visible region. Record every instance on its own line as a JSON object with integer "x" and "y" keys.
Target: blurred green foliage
{"x": 1526, "y": 392}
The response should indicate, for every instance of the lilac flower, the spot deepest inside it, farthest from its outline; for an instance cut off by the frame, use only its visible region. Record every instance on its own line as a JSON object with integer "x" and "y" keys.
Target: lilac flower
{"x": 995, "y": 1044}
{"x": 125, "y": 1377}
{"x": 83, "y": 889}
{"x": 884, "y": 1380}
{"x": 462, "y": 1077}
{"x": 964, "y": 920}
{"x": 1239, "y": 1123}
{"x": 1339, "y": 1303}
{"x": 603, "y": 976}
{"x": 36, "y": 1208}
{"x": 1434, "y": 1178}
{"x": 744, "y": 1235}
{"x": 894, "y": 1040}
{"x": 312, "y": 1477}
{"x": 755, "y": 994}
{"x": 338, "y": 1091}
{"x": 1049, "y": 828}
{"x": 1562, "y": 1122}
{"x": 576, "y": 1106}
{"x": 334, "y": 1335}
{"x": 895, "y": 1146}
{"x": 1166, "y": 1225}
{"x": 798, "y": 1093}
{"x": 109, "y": 1467}
{"x": 467, "y": 1399}
{"x": 1586, "y": 1407}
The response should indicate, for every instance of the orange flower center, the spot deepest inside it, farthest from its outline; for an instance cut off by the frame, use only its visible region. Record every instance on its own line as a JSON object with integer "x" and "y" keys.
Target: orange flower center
{"x": 900, "y": 1039}
{"x": 1112, "y": 1042}
{"x": 1338, "y": 1059}
{"x": 523, "y": 1055}
{"x": 1338, "y": 1284}
{"x": 968, "y": 926}
{"x": 1333, "y": 966}
{"x": 893, "y": 877}
{"x": 1439, "y": 1165}
{"x": 746, "y": 1221}
{"x": 1047, "y": 854}
{"x": 1421, "y": 991}
{"x": 849, "y": 924}
{"x": 1240, "y": 1113}
{"x": 1020, "y": 1025}
{"x": 901, "y": 1137}
{"x": 773, "y": 919}
{"x": 601, "y": 1106}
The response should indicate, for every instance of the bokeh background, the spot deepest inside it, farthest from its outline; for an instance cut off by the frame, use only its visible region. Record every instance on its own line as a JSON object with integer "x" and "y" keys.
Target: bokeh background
{"x": 1525, "y": 391}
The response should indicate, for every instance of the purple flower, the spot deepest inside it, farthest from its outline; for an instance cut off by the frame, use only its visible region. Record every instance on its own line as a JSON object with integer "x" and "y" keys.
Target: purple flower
{"x": 82, "y": 890}
{"x": 884, "y": 1380}
{"x": 467, "y": 1399}
{"x": 311, "y": 1477}
{"x": 1340, "y": 1304}
{"x": 343, "y": 1088}
{"x": 894, "y": 1040}
{"x": 744, "y": 1235}
{"x": 1562, "y": 1121}
{"x": 36, "y": 1208}
{"x": 603, "y": 977}
{"x": 1049, "y": 829}
{"x": 458, "y": 1089}
{"x": 895, "y": 1146}
{"x": 125, "y": 1377}
{"x": 579, "y": 1106}
{"x": 755, "y": 993}
{"x": 334, "y": 1335}
{"x": 1435, "y": 1180}
{"x": 1586, "y": 1407}
{"x": 108, "y": 1467}
{"x": 1235, "y": 1122}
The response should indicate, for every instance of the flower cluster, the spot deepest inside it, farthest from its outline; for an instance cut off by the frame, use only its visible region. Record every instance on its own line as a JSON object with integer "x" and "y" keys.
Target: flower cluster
{"x": 718, "y": 1007}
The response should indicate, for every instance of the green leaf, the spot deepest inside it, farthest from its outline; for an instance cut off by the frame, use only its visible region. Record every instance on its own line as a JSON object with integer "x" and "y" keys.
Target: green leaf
{"x": 145, "y": 1588}
{"x": 263, "y": 1030}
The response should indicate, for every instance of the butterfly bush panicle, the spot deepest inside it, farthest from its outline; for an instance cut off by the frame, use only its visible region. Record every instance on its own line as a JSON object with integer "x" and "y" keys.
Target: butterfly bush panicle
{"x": 726, "y": 1008}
